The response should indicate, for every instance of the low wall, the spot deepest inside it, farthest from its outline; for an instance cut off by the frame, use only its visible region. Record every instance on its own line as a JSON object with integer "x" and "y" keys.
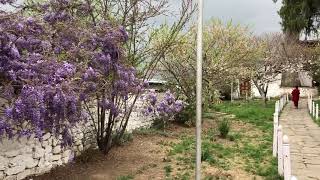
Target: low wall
{"x": 25, "y": 157}
{"x": 304, "y": 91}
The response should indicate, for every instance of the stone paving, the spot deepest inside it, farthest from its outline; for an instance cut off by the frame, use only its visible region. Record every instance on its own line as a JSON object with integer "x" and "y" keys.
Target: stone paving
{"x": 304, "y": 137}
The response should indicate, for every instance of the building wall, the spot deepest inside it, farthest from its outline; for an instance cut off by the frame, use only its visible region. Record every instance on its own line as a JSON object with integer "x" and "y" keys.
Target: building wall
{"x": 24, "y": 157}
{"x": 275, "y": 88}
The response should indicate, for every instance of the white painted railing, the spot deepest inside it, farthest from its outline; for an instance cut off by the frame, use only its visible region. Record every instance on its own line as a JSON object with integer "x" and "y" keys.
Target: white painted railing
{"x": 313, "y": 107}
{"x": 281, "y": 146}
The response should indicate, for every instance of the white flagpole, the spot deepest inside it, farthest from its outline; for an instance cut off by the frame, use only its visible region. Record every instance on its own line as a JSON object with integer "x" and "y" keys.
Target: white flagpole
{"x": 199, "y": 90}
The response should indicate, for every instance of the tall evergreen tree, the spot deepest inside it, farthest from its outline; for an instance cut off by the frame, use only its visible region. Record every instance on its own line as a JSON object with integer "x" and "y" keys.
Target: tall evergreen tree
{"x": 300, "y": 16}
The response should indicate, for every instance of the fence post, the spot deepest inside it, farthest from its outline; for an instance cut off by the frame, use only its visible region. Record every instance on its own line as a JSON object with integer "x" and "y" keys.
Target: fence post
{"x": 308, "y": 101}
{"x": 317, "y": 111}
{"x": 311, "y": 104}
{"x": 275, "y": 134}
{"x": 280, "y": 151}
{"x": 313, "y": 109}
{"x": 286, "y": 158}
{"x": 287, "y": 97}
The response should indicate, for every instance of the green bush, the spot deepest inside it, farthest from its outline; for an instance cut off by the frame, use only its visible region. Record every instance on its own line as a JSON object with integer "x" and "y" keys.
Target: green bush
{"x": 128, "y": 177}
{"x": 126, "y": 137}
{"x": 187, "y": 115}
{"x": 224, "y": 128}
{"x": 168, "y": 170}
{"x": 158, "y": 124}
{"x": 206, "y": 155}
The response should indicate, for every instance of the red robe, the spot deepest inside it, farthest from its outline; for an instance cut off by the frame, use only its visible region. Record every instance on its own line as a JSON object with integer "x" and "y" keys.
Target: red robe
{"x": 295, "y": 96}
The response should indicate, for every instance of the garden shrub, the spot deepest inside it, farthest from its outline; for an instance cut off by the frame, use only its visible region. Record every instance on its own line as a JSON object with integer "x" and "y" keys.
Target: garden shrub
{"x": 187, "y": 115}
{"x": 224, "y": 128}
{"x": 163, "y": 110}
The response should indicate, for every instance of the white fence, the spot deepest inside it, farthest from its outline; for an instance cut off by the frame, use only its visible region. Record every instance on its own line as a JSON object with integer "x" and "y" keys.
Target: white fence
{"x": 313, "y": 107}
{"x": 281, "y": 146}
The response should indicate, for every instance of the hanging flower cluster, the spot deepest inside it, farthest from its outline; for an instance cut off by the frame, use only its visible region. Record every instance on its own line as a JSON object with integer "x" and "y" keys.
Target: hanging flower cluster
{"x": 54, "y": 62}
{"x": 165, "y": 108}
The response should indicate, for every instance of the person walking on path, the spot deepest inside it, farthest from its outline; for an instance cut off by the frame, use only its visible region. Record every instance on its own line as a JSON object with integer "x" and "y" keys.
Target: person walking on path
{"x": 295, "y": 96}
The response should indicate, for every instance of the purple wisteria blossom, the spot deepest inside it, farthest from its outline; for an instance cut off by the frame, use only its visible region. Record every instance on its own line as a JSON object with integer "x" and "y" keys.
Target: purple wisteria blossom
{"x": 55, "y": 64}
{"x": 165, "y": 108}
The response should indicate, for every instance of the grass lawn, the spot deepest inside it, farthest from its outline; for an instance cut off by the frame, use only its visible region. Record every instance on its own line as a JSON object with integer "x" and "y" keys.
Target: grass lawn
{"x": 257, "y": 151}
{"x": 245, "y": 153}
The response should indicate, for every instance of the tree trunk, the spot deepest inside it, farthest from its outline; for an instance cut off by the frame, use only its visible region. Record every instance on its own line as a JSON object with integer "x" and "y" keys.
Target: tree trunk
{"x": 263, "y": 89}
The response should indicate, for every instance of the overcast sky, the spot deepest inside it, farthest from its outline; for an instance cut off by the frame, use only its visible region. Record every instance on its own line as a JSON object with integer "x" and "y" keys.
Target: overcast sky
{"x": 260, "y": 15}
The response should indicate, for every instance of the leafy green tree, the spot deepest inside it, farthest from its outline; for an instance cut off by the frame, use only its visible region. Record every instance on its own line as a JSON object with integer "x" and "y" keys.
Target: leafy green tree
{"x": 227, "y": 51}
{"x": 300, "y": 15}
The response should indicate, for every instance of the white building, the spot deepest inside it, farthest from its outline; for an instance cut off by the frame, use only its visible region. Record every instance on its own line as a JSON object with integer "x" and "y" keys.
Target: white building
{"x": 277, "y": 87}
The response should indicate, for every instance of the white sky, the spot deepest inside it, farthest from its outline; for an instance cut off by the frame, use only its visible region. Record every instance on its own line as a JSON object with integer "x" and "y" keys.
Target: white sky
{"x": 260, "y": 15}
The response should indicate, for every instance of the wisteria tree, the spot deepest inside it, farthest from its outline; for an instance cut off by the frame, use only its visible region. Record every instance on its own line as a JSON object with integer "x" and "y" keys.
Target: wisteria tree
{"x": 65, "y": 62}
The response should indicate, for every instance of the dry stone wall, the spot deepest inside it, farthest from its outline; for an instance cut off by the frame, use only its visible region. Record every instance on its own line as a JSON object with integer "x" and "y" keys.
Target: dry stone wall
{"x": 23, "y": 157}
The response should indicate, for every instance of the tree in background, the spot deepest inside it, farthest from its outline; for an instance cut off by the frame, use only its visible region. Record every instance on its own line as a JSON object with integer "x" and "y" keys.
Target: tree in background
{"x": 227, "y": 48}
{"x": 277, "y": 55}
{"x": 300, "y": 15}
{"x": 314, "y": 61}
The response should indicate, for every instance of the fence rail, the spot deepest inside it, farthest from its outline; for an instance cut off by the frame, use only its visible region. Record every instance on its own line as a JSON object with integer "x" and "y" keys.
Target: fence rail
{"x": 313, "y": 107}
{"x": 281, "y": 145}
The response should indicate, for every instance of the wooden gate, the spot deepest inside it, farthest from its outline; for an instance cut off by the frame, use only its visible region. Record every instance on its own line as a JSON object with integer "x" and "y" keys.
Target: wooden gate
{"x": 245, "y": 88}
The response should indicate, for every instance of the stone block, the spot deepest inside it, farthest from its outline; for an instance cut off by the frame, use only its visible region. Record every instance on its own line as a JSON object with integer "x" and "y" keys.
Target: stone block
{"x": 4, "y": 162}
{"x": 50, "y": 140}
{"x": 12, "y": 153}
{"x": 40, "y": 170}
{"x": 30, "y": 162}
{"x": 14, "y": 177}
{"x": 23, "y": 160}
{"x": 48, "y": 157}
{"x": 57, "y": 163}
{"x": 43, "y": 166}
{"x": 1, "y": 175}
{"x": 56, "y": 149}
{"x": 65, "y": 160}
{"x": 55, "y": 142}
{"x": 24, "y": 174}
{"x": 66, "y": 153}
{"x": 78, "y": 142}
{"x": 80, "y": 135}
{"x": 15, "y": 170}
{"x": 48, "y": 149}
{"x": 17, "y": 161}
{"x": 45, "y": 144}
{"x": 38, "y": 152}
{"x": 56, "y": 157}
{"x": 26, "y": 150}
{"x": 80, "y": 148}
{"x": 31, "y": 141}
{"x": 46, "y": 136}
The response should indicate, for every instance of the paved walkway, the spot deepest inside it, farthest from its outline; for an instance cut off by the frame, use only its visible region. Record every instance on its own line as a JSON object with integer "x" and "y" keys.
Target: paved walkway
{"x": 304, "y": 137}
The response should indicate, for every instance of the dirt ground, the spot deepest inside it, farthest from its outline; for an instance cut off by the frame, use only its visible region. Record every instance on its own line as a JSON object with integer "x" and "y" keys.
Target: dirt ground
{"x": 142, "y": 155}
{"x": 143, "y": 158}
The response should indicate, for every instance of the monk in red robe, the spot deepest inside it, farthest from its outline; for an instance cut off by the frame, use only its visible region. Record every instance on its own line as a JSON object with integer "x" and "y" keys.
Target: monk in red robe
{"x": 295, "y": 96}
